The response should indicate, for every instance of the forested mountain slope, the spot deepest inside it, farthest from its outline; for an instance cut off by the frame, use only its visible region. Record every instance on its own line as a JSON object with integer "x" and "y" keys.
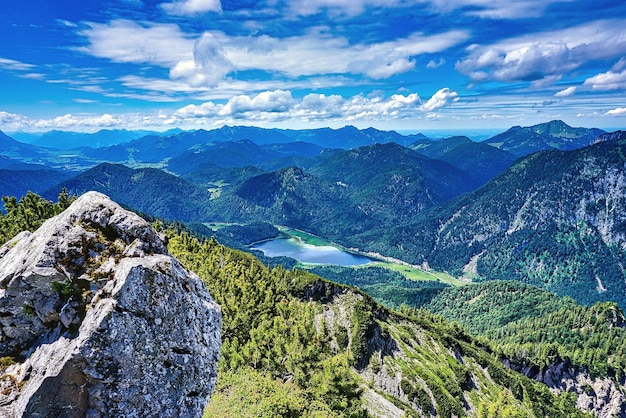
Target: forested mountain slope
{"x": 19, "y": 182}
{"x": 290, "y": 197}
{"x": 555, "y": 219}
{"x": 346, "y": 193}
{"x": 295, "y": 345}
{"x": 551, "y": 339}
{"x": 394, "y": 176}
{"x": 148, "y": 190}
{"x": 481, "y": 161}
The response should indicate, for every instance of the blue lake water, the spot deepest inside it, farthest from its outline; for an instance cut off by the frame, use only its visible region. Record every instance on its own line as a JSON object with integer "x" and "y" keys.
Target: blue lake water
{"x": 307, "y": 253}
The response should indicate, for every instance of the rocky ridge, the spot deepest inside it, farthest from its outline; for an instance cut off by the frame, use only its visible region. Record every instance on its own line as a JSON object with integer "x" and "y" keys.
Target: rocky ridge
{"x": 603, "y": 397}
{"x": 97, "y": 319}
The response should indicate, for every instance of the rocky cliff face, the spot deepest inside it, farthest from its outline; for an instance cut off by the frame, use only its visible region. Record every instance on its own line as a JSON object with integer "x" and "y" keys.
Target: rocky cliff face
{"x": 98, "y": 320}
{"x": 603, "y": 397}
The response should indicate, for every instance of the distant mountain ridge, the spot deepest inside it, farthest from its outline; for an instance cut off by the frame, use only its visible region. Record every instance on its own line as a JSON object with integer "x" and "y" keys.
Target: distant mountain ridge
{"x": 66, "y": 140}
{"x": 555, "y": 134}
{"x": 347, "y": 192}
{"x": 478, "y": 159}
{"x": 148, "y": 190}
{"x": 11, "y": 148}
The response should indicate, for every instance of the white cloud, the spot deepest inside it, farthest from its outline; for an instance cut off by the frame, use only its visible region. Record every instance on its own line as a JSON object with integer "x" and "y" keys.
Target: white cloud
{"x": 442, "y": 98}
{"x": 192, "y": 7}
{"x": 488, "y": 9}
{"x": 347, "y": 7}
{"x": 607, "y": 81}
{"x": 566, "y": 92}
{"x": 267, "y": 106}
{"x": 12, "y": 121}
{"x": 207, "y": 60}
{"x": 9, "y": 64}
{"x": 66, "y": 23}
{"x": 435, "y": 64}
{"x": 209, "y": 65}
{"x": 126, "y": 41}
{"x": 281, "y": 105}
{"x": 619, "y": 111}
{"x": 497, "y": 9}
{"x": 545, "y": 54}
{"x": 274, "y": 108}
{"x": 70, "y": 121}
{"x": 267, "y": 101}
{"x": 318, "y": 53}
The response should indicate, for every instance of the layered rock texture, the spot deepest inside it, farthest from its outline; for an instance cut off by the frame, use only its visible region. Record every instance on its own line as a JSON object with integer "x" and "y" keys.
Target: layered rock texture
{"x": 97, "y": 319}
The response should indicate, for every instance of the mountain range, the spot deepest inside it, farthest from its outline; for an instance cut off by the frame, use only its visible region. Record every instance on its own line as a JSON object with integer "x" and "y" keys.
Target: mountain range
{"x": 555, "y": 219}
{"x": 552, "y": 223}
{"x": 421, "y": 204}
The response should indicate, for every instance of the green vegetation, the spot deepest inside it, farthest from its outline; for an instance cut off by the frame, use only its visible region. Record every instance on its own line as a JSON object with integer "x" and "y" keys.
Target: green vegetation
{"x": 387, "y": 286}
{"x": 267, "y": 328}
{"x": 531, "y": 326}
{"x": 304, "y": 236}
{"x": 554, "y": 219}
{"x": 297, "y": 345}
{"x": 146, "y": 189}
{"x": 592, "y": 338}
{"x": 491, "y": 305}
{"x": 278, "y": 357}
{"x": 29, "y": 213}
{"x": 419, "y": 274}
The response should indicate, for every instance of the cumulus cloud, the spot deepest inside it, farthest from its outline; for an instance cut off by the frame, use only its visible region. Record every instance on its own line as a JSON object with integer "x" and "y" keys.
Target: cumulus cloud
{"x": 15, "y": 122}
{"x": 545, "y": 54}
{"x": 192, "y": 7}
{"x": 442, "y": 98}
{"x": 70, "y": 121}
{"x": 12, "y": 121}
{"x": 281, "y": 105}
{"x": 566, "y": 92}
{"x": 607, "y": 81}
{"x": 267, "y": 101}
{"x": 619, "y": 111}
{"x": 209, "y": 65}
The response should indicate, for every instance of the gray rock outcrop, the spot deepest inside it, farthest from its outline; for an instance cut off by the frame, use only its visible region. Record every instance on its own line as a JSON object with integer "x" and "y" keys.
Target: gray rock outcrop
{"x": 97, "y": 319}
{"x": 603, "y": 397}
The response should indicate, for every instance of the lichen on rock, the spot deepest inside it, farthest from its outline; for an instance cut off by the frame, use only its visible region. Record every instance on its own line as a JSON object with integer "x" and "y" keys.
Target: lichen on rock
{"x": 97, "y": 319}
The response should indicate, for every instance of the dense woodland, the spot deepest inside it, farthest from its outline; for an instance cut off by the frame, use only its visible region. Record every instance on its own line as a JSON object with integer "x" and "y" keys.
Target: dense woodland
{"x": 531, "y": 326}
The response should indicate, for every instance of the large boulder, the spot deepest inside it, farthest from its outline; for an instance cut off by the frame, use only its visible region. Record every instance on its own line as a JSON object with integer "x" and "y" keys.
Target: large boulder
{"x": 97, "y": 319}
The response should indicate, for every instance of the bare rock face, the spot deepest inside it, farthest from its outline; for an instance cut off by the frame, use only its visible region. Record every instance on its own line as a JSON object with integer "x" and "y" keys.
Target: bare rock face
{"x": 602, "y": 397}
{"x": 98, "y": 320}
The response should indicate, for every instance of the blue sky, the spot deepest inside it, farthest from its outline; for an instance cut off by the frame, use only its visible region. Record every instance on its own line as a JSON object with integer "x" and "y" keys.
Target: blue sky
{"x": 390, "y": 64}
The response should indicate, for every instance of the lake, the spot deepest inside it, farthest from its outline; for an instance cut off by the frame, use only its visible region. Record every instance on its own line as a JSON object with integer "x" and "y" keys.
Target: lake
{"x": 310, "y": 254}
